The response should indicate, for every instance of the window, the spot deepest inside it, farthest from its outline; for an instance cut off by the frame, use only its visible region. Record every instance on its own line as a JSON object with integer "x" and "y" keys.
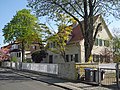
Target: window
{"x": 107, "y": 59}
{"x": 106, "y": 43}
{"x": 71, "y": 57}
{"x": 67, "y": 58}
{"x": 50, "y": 58}
{"x": 48, "y": 45}
{"x": 18, "y": 54}
{"x": 100, "y": 42}
{"x": 96, "y": 58}
{"x": 76, "y": 57}
{"x": 18, "y": 46}
{"x": 35, "y": 47}
{"x": 101, "y": 58}
{"x": 53, "y": 44}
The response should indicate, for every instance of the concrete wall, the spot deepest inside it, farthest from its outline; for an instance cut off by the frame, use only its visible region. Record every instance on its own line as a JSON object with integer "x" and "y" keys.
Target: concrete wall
{"x": 67, "y": 71}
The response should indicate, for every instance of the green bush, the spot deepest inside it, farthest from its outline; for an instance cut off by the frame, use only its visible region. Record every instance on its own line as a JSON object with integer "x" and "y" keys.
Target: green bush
{"x": 28, "y": 60}
{"x": 13, "y": 59}
{"x": 38, "y": 56}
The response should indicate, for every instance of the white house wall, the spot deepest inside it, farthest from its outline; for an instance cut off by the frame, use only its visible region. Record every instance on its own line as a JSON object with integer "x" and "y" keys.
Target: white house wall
{"x": 73, "y": 49}
{"x": 101, "y": 35}
{"x": 82, "y": 51}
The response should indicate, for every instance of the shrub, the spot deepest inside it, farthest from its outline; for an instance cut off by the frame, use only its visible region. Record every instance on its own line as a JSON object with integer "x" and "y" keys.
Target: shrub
{"x": 38, "y": 56}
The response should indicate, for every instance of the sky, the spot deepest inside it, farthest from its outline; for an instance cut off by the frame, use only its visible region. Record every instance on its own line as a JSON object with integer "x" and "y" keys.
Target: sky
{"x": 8, "y": 9}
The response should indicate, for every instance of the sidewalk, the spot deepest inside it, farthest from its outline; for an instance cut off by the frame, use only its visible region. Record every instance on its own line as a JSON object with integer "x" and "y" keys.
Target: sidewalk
{"x": 60, "y": 82}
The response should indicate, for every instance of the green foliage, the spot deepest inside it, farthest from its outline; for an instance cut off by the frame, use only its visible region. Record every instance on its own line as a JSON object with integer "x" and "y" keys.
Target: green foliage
{"x": 28, "y": 60}
{"x": 77, "y": 9}
{"x": 38, "y": 56}
{"x": 116, "y": 58}
{"x": 61, "y": 38}
{"x": 13, "y": 59}
{"x": 21, "y": 28}
{"x": 116, "y": 47}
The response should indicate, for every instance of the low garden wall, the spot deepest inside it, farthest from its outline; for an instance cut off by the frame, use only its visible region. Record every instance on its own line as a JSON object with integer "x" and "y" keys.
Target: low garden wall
{"x": 63, "y": 70}
{"x": 67, "y": 70}
{"x": 45, "y": 68}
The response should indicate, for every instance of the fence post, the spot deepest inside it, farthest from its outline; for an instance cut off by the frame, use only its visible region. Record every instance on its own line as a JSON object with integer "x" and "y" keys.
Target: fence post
{"x": 20, "y": 65}
{"x": 117, "y": 74}
{"x": 99, "y": 76}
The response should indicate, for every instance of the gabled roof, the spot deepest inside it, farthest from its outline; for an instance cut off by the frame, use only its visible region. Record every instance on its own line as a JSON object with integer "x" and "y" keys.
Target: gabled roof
{"x": 76, "y": 34}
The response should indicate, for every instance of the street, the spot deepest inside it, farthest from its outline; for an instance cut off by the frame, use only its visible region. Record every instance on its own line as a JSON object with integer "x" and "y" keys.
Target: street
{"x": 12, "y": 81}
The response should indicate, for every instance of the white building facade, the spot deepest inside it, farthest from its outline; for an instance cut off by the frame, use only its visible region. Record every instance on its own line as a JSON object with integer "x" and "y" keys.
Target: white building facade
{"x": 101, "y": 52}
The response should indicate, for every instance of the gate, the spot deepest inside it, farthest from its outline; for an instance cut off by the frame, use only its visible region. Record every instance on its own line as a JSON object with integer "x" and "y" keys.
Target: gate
{"x": 106, "y": 75}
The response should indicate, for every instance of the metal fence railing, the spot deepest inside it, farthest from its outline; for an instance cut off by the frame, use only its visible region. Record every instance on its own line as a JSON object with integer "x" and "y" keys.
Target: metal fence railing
{"x": 102, "y": 74}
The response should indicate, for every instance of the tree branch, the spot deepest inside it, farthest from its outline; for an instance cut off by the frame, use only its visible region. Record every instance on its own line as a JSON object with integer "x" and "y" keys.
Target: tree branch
{"x": 79, "y": 6}
{"x": 76, "y": 10}
{"x": 90, "y": 8}
{"x": 71, "y": 16}
{"x": 94, "y": 3}
{"x": 85, "y": 8}
{"x": 96, "y": 31}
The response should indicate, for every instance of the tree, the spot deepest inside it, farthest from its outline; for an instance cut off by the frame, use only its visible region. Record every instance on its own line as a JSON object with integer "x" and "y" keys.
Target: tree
{"x": 22, "y": 29}
{"x": 84, "y": 9}
{"x": 116, "y": 46}
{"x": 38, "y": 56}
{"x": 61, "y": 38}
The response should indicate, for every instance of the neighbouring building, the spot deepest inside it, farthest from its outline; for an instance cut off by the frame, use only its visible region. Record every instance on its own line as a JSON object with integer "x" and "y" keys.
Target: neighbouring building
{"x": 4, "y": 53}
{"x": 101, "y": 52}
{"x": 15, "y": 51}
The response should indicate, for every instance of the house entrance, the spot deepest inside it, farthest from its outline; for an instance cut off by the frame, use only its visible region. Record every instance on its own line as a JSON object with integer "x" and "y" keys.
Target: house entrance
{"x": 50, "y": 58}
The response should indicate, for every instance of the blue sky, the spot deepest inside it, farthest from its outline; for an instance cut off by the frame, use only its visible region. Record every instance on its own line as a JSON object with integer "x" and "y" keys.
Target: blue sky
{"x": 8, "y": 9}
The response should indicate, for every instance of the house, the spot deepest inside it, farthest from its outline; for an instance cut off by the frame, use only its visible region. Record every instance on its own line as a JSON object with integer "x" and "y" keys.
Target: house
{"x": 15, "y": 50}
{"x": 101, "y": 51}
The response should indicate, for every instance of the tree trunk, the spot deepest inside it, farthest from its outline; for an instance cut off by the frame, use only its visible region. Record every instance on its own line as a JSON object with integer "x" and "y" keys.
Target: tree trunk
{"x": 89, "y": 28}
{"x": 89, "y": 40}
{"x": 64, "y": 56}
{"x": 23, "y": 51}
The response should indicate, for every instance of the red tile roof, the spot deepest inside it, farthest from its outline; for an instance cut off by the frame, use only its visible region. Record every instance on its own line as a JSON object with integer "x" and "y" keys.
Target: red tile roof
{"x": 76, "y": 32}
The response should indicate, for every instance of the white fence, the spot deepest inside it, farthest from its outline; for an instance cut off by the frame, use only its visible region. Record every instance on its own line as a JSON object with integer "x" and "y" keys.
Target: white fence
{"x": 46, "y": 68}
{"x": 63, "y": 70}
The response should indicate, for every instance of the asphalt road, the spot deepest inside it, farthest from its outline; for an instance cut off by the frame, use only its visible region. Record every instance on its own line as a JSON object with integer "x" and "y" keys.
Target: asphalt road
{"x": 12, "y": 81}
